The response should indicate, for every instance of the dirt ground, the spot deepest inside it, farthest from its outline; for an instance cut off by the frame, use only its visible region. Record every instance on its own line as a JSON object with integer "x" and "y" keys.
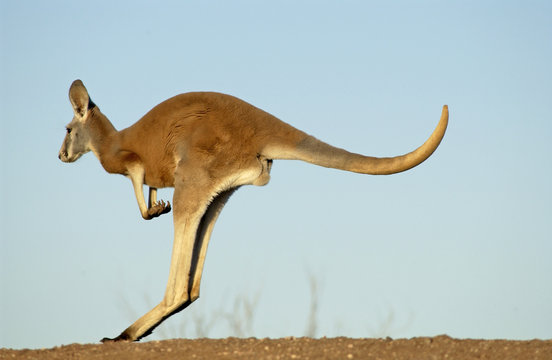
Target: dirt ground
{"x": 440, "y": 347}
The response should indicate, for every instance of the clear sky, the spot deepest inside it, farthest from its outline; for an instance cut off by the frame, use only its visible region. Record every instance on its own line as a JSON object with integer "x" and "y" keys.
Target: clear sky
{"x": 461, "y": 245}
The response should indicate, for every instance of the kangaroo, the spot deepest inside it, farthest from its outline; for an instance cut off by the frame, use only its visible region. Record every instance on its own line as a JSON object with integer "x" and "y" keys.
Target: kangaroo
{"x": 205, "y": 145}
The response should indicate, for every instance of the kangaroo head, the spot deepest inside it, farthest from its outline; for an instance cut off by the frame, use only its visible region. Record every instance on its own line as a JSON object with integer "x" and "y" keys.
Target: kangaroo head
{"x": 77, "y": 139}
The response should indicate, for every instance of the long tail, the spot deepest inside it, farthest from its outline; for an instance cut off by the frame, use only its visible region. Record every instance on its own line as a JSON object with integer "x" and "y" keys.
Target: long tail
{"x": 316, "y": 152}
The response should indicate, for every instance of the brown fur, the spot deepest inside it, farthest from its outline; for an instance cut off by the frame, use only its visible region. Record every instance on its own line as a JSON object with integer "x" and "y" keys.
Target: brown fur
{"x": 205, "y": 145}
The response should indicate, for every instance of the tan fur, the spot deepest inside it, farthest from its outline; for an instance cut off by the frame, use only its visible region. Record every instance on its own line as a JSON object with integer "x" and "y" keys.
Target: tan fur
{"x": 205, "y": 145}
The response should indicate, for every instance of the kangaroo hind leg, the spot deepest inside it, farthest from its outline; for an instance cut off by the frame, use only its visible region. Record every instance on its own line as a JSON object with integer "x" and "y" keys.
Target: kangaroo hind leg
{"x": 203, "y": 235}
{"x": 191, "y": 200}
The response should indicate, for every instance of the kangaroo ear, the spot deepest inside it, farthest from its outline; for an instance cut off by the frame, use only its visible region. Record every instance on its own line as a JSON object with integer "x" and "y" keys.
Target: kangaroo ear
{"x": 79, "y": 98}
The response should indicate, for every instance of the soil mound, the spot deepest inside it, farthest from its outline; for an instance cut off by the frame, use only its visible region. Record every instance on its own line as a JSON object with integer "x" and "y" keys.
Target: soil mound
{"x": 439, "y": 347}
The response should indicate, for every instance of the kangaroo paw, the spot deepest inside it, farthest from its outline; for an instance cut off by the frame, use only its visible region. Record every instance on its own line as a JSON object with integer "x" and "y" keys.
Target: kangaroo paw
{"x": 159, "y": 208}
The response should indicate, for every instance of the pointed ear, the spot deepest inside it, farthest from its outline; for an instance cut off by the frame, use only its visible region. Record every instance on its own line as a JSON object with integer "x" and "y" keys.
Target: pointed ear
{"x": 79, "y": 98}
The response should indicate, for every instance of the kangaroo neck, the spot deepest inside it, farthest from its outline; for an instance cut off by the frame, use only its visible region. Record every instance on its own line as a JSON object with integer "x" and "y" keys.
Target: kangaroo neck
{"x": 105, "y": 142}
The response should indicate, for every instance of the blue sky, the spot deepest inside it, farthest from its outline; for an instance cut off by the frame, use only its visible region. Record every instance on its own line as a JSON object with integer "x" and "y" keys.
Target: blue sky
{"x": 460, "y": 245}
